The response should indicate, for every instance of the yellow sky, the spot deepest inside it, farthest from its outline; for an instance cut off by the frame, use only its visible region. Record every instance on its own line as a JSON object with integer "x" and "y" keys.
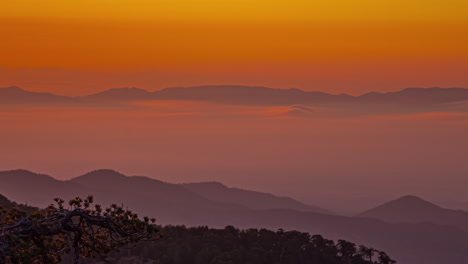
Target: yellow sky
{"x": 240, "y": 9}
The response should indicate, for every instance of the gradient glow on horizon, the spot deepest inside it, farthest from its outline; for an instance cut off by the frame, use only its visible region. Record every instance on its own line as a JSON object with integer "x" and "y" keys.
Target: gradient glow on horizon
{"x": 413, "y": 43}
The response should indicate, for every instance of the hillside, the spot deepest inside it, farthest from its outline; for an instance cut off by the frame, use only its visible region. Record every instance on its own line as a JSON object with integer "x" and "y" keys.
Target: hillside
{"x": 5, "y": 203}
{"x": 216, "y": 191}
{"x": 412, "y": 209}
{"x": 247, "y": 95}
{"x": 170, "y": 203}
{"x": 200, "y": 245}
{"x": 39, "y": 190}
{"x": 16, "y": 95}
{"x": 410, "y": 243}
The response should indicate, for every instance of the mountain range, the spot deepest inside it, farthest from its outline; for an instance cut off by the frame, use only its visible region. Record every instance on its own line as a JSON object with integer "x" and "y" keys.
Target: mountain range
{"x": 411, "y": 240}
{"x": 243, "y": 95}
{"x": 216, "y": 191}
{"x": 412, "y": 209}
{"x": 5, "y": 203}
{"x": 16, "y": 95}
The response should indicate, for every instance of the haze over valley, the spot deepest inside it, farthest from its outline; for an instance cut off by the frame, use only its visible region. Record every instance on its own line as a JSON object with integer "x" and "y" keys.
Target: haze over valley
{"x": 413, "y": 220}
{"x": 234, "y": 132}
{"x": 347, "y": 148}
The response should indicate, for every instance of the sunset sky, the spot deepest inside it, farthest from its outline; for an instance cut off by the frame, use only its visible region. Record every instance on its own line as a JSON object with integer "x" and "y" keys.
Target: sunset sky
{"x": 344, "y": 105}
{"x": 336, "y": 46}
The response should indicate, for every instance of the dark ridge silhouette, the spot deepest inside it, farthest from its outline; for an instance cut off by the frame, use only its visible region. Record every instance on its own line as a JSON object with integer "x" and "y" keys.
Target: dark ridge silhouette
{"x": 412, "y": 209}
{"x": 435, "y": 95}
{"x": 16, "y": 95}
{"x": 216, "y": 191}
{"x": 174, "y": 203}
{"x": 5, "y": 203}
{"x": 409, "y": 243}
{"x": 27, "y": 187}
{"x": 247, "y": 95}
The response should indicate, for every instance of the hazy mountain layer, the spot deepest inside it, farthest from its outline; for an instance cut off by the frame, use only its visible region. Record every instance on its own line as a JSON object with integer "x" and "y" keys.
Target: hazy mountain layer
{"x": 412, "y": 209}
{"x": 423, "y": 243}
{"x": 215, "y": 191}
{"x": 245, "y": 95}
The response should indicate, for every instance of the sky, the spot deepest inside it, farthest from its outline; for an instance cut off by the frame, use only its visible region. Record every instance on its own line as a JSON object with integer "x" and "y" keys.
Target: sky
{"x": 335, "y": 46}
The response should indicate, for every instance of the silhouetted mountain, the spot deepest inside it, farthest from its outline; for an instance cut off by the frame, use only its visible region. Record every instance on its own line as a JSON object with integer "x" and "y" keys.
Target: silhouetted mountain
{"x": 5, "y": 203}
{"x": 248, "y": 95}
{"x": 423, "y": 243}
{"x": 433, "y": 95}
{"x": 27, "y": 187}
{"x": 215, "y": 191}
{"x": 257, "y": 95}
{"x": 412, "y": 209}
{"x": 16, "y": 95}
{"x": 171, "y": 203}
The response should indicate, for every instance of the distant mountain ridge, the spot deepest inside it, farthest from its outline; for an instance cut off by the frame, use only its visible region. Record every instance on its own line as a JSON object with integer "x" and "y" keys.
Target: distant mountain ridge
{"x": 243, "y": 95}
{"x": 410, "y": 243}
{"x": 15, "y": 95}
{"x": 24, "y": 186}
{"x": 41, "y": 187}
{"x": 216, "y": 191}
{"x": 412, "y": 209}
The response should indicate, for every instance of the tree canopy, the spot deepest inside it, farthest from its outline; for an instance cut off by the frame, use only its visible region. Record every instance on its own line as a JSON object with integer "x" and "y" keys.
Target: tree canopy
{"x": 81, "y": 230}
{"x": 78, "y": 229}
{"x": 203, "y": 245}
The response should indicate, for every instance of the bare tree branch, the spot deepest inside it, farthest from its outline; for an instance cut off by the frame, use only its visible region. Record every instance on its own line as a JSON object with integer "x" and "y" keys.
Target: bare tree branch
{"x": 46, "y": 236}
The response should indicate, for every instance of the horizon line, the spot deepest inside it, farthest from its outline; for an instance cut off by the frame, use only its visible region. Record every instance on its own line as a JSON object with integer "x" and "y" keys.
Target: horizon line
{"x": 232, "y": 85}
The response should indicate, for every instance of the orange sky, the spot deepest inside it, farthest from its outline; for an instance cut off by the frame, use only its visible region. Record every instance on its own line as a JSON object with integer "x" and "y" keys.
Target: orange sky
{"x": 363, "y": 40}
